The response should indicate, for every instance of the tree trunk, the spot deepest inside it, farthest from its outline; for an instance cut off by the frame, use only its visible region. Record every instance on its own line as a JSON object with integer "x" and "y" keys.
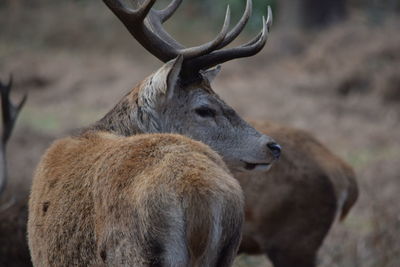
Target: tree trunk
{"x": 310, "y": 14}
{"x": 321, "y": 13}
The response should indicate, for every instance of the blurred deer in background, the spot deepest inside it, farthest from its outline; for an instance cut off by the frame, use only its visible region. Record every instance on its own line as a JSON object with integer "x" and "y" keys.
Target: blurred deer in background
{"x": 290, "y": 209}
{"x": 13, "y": 213}
{"x": 121, "y": 193}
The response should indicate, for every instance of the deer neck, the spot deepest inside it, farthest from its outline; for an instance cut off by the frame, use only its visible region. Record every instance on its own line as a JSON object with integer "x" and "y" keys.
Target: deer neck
{"x": 122, "y": 119}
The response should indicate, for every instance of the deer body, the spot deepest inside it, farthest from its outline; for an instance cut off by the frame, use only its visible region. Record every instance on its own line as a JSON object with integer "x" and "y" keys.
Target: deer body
{"x": 146, "y": 200}
{"x": 290, "y": 209}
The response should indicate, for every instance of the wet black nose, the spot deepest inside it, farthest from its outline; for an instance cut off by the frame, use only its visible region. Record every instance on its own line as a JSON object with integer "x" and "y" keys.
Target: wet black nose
{"x": 275, "y": 149}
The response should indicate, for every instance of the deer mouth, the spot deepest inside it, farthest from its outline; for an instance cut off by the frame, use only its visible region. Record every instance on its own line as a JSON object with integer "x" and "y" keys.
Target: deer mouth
{"x": 259, "y": 166}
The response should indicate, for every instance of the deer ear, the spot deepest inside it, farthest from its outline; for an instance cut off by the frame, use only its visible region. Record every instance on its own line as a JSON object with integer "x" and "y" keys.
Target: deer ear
{"x": 210, "y": 74}
{"x": 155, "y": 92}
{"x": 160, "y": 87}
{"x": 174, "y": 67}
{"x": 163, "y": 82}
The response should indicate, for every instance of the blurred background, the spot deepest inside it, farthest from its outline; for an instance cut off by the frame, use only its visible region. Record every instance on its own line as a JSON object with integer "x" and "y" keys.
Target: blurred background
{"x": 330, "y": 67}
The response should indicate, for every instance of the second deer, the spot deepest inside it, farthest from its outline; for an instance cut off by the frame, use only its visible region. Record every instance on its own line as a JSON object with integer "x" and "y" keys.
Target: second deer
{"x": 290, "y": 209}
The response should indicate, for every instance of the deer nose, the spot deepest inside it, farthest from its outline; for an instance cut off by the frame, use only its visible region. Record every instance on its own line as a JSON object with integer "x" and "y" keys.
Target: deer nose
{"x": 275, "y": 149}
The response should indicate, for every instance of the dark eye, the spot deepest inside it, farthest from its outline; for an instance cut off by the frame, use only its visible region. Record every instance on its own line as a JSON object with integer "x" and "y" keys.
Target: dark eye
{"x": 205, "y": 112}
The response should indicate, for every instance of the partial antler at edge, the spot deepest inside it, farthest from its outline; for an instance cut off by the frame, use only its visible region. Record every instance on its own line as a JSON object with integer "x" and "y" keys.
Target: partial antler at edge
{"x": 10, "y": 114}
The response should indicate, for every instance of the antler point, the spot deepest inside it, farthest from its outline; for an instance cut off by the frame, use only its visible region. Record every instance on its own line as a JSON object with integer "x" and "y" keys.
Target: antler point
{"x": 269, "y": 17}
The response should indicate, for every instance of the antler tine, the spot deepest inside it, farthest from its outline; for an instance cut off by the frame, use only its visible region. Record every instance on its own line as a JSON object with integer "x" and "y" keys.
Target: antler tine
{"x": 218, "y": 57}
{"x": 259, "y": 42}
{"x": 9, "y": 110}
{"x": 239, "y": 26}
{"x": 142, "y": 12}
{"x": 204, "y": 49}
{"x": 164, "y": 50}
{"x": 167, "y": 12}
{"x": 258, "y": 36}
{"x": 129, "y": 14}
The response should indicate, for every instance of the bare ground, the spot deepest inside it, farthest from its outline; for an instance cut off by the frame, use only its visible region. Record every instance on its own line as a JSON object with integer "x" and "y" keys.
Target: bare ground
{"x": 343, "y": 85}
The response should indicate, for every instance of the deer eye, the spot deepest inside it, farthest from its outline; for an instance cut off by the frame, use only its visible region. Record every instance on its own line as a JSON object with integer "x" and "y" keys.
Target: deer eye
{"x": 205, "y": 112}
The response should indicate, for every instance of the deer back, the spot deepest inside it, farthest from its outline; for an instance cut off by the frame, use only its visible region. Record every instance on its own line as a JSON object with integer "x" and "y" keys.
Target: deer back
{"x": 147, "y": 200}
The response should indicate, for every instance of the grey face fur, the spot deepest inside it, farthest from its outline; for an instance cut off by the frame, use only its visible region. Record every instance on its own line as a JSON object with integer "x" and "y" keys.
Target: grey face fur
{"x": 197, "y": 112}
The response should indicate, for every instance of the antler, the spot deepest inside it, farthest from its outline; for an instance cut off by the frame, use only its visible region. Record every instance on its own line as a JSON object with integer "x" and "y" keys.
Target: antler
{"x": 10, "y": 113}
{"x": 145, "y": 24}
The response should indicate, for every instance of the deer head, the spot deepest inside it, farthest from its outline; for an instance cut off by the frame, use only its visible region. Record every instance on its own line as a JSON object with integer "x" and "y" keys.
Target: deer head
{"x": 10, "y": 113}
{"x": 178, "y": 98}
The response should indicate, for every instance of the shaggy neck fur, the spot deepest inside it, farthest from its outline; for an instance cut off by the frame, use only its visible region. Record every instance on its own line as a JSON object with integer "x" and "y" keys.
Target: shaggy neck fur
{"x": 122, "y": 119}
{"x": 138, "y": 111}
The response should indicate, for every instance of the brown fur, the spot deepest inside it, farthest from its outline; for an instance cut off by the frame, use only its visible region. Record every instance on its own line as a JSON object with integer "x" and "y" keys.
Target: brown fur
{"x": 290, "y": 209}
{"x": 105, "y": 200}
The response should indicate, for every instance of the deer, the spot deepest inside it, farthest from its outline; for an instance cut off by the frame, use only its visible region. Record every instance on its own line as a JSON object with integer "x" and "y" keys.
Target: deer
{"x": 150, "y": 183}
{"x": 290, "y": 209}
{"x": 269, "y": 215}
{"x": 13, "y": 213}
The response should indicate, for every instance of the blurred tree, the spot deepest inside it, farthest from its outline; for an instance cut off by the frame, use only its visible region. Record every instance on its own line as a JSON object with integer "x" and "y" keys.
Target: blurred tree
{"x": 311, "y": 14}
{"x": 377, "y": 10}
{"x": 320, "y": 13}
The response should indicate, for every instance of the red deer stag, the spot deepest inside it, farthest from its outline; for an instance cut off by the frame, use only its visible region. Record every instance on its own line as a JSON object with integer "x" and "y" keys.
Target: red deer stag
{"x": 290, "y": 209}
{"x": 124, "y": 192}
